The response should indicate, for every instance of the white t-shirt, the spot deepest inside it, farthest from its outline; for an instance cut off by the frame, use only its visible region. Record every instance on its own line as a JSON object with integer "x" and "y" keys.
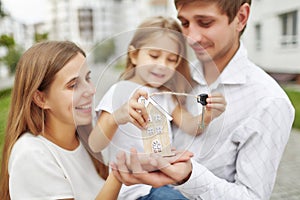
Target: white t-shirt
{"x": 39, "y": 169}
{"x": 128, "y": 135}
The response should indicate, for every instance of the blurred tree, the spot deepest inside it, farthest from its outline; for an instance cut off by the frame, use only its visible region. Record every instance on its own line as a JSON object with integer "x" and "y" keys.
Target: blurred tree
{"x": 7, "y": 41}
{"x": 38, "y": 37}
{"x": 2, "y": 13}
{"x": 104, "y": 51}
{"x": 13, "y": 52}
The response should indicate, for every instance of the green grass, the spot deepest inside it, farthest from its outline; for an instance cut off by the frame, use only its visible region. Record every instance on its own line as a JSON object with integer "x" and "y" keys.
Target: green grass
{"x": 4, "y": 106}
{"x": 295, "y": 99}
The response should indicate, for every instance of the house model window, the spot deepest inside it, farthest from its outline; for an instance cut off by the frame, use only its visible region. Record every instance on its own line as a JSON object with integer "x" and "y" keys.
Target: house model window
{"x": 156, "y": 137}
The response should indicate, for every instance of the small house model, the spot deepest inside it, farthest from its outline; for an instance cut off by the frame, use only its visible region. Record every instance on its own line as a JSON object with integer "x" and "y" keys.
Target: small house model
{"x": 156, "y": 137}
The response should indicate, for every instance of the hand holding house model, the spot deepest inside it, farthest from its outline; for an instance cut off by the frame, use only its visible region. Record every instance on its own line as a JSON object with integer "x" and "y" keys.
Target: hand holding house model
{"x": 156, "y": 137}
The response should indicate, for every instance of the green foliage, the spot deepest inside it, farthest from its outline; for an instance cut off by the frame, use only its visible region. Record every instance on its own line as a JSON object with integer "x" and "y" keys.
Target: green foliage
{"x": 104, "y": 51}
{"x": 7, "y": 41}
{"x": 294, "y": 97}
{"x": 2, "y": 13}
{"x": 11, "y": 59}
{"x": 4, "y": 106}
{"x": 13, "y": 52}
{"x": 38, "y": 37}
{"x": 120, "y": 65}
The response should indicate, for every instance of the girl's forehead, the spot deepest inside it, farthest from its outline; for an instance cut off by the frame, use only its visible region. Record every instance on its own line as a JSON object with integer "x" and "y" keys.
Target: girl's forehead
{"x": 165, "y": 43}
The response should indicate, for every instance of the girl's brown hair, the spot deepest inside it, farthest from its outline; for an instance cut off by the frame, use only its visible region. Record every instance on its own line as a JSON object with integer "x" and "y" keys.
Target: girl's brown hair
{"x": 36, "y": 70}
{"x": 153, "y": 28}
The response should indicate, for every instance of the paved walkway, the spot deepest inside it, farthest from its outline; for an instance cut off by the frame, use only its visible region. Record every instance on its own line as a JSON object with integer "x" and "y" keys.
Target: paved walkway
{"x": 287, "y": 186}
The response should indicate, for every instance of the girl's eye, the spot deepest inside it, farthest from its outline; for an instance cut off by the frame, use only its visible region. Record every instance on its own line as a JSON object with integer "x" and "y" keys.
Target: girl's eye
{"x": 153, "y": 55}
{"x": 173, "y": 60}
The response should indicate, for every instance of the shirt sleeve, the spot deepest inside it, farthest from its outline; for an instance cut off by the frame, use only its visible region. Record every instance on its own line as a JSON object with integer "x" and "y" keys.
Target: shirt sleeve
{"x": 34, "y": 174}
{"x": 264, "y": 137}
{"x": 106, "y": 102}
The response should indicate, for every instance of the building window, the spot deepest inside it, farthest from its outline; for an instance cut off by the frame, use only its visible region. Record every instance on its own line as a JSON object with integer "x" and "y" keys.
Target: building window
{"x": 85, "y": 21}
{"x": 157, "y": 117}
{"x": 289, "y": 29}
{"x": 159, "y": 129}
{"x": 258, "y": 36}
{"x": 150, "y": 131}
{"x": 156, "y": 146}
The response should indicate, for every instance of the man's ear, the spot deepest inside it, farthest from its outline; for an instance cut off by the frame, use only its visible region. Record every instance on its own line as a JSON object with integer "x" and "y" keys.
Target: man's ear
{"x": 132, "y": 54}
{"x": 39, "y": 98}
{"x": 243, "y": 16}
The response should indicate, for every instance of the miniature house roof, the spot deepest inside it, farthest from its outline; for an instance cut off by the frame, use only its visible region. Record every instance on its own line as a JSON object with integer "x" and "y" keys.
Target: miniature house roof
{"x": 150, "y": 100}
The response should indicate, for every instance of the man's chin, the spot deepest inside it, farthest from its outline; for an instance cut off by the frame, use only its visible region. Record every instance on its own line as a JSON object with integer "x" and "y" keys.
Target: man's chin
{"x": 204, "y": 57}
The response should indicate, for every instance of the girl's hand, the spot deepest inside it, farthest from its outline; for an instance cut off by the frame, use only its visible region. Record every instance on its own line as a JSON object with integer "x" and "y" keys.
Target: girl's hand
{"x": 133, "y": 111}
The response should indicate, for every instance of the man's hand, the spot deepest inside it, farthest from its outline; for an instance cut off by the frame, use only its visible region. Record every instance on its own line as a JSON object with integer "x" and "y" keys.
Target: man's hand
{"x": 169, "y": 171}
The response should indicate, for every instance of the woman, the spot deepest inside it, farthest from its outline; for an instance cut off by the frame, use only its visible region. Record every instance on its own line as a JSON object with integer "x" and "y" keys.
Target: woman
{"x": 43, "y": 157}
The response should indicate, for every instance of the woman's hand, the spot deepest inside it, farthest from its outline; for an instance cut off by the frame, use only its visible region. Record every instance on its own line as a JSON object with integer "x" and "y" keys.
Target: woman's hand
{"x": 168, "y": 172}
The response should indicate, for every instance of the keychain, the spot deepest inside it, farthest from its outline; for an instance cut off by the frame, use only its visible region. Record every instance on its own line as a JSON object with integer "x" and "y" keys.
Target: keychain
{"x": 201, "y": 98}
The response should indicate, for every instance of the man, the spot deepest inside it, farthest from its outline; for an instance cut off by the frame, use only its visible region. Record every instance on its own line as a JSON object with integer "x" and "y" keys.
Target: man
{"x": 238, "y": 155}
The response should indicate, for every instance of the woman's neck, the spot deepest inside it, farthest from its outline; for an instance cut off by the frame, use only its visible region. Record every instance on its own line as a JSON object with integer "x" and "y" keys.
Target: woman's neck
{"x": 63, "y": 136}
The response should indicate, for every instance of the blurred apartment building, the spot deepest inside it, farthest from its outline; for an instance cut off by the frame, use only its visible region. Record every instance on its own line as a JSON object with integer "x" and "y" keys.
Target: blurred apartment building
{"x": 85, "y": 21}
{"x": 272, "y": 37}
{"x": 88, "y": 21}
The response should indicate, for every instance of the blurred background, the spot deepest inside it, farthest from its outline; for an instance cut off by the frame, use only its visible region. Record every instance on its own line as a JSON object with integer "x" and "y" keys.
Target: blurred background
{"x": 272, "y": 38}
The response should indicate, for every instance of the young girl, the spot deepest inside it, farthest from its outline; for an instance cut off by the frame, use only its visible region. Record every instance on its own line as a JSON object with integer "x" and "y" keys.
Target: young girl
{"x": 155, "y": 62}
{"x": 43, "y": 158}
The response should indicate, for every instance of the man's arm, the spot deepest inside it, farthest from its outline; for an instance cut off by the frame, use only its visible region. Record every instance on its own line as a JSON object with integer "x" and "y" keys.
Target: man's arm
{"x": 266, "y": 134}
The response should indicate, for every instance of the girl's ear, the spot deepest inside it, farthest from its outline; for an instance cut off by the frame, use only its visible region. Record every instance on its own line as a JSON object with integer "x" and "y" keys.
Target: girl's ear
{"x": 39, "y": 98}
{"x": 132, "y": 52}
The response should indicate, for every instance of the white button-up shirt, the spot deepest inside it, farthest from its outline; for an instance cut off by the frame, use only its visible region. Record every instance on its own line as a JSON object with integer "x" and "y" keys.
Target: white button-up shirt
{"x": 237, "y": 157}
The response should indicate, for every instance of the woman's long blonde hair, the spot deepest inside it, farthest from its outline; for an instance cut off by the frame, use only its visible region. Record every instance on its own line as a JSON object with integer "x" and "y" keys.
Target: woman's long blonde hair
{"x": 153, "y": 28}
{"x": 36, "y": 70}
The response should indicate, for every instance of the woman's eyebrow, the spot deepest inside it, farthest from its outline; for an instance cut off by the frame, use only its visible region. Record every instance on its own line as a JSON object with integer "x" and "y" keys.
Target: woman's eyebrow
{"x": 72, "y": 80}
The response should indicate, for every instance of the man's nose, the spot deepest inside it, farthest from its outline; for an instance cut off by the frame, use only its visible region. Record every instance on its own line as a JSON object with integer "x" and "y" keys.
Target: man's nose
{"x": 193, "y": 35}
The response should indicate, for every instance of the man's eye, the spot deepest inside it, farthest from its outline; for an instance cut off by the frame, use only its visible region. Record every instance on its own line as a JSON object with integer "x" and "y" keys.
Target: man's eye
{"x": 204, "y": 23}
{"x": 184, "y": 24}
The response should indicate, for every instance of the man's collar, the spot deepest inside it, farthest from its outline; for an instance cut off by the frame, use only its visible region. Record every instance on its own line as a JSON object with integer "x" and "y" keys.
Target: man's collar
{"x": 233, "y": 73}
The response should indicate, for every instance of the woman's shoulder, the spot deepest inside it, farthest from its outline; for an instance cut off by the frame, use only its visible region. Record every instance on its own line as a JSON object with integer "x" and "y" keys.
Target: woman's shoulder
{"x": 29, "y": 142}
{"x": 29, "y": 147}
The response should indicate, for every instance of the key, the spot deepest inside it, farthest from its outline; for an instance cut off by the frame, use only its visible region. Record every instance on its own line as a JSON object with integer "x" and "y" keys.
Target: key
{"x": 201, "y": 98}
